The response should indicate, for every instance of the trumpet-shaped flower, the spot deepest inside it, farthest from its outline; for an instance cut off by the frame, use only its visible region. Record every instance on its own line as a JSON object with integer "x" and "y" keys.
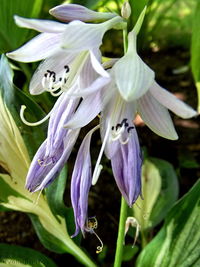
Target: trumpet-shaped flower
{"x": 55, "y": 150}
{"x": 81, "y": 183}
{"x": 64, "y": 48}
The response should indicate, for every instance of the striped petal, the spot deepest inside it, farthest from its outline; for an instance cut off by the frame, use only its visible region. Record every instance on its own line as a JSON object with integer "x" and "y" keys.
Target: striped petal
{"x": 40, "y": 47}
{"x": 80, "y": 184}
{"x": 156, "y": 117}
{"x": 40, "y": 25}
{"x": 54, "y": 63}
{"x": 80, "y": 36}
{"x": 133, "y": 77}
{"x": 126, "y": 166}
{"x": 92, "y": 104}
{"x": 69, "y": 12}
{"x": 171, "y": 102}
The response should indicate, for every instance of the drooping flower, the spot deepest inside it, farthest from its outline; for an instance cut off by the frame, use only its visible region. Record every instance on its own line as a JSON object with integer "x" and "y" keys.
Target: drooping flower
{"x": 55, "y": 150}
{"x": 80, "y": 184}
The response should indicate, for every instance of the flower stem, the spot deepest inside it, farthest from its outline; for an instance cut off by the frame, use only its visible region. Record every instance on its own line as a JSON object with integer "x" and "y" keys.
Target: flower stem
{"x": 121, "y": 231}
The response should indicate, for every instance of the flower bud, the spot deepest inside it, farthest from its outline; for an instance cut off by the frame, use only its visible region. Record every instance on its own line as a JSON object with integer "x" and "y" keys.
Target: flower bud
{"x": 126, "y": 10}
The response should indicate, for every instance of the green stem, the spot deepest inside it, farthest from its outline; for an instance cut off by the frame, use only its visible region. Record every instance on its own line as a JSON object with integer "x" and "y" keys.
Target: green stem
{"x": 125, "y": 40}
{"x": 144, "y": 239}
{"x": 121, "y": 231}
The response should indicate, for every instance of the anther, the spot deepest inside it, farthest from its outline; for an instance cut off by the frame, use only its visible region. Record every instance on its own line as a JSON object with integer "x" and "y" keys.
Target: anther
{"x": 92, "y": 224}
{"x": 124, "y": 121}
{"x": 119, "y": 125}
{"x": 67, "y": 68}
{"x": 130, "y": 128}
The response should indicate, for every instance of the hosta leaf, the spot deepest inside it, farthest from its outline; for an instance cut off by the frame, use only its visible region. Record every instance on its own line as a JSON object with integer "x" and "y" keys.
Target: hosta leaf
{"x": 46, "y": 238}
{"x": 14, "y": 98}
{"x": 195, "y": 48}
{"x": 6, "y": 190}
{"x": 54, "y": 194}
{"x": 177, "y": 243}
{"x": 160, "y": 191}
{"x": 12, "y": 255}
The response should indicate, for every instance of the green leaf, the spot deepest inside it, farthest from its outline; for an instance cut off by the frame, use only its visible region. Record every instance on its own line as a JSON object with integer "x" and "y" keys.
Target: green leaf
{"x": 46, "y": 238}
{"x": 14, "y": 98}
{"x": 54, "y": 194}
{"x": 7, "y": 191}
{"x": 195, "y": 48}
{"x": 128, "y": 252}
{"x": 160, "y": 191}
{"x": 177, "y": 243}
{"x": 12, "y": 36}
{"x": 12, "y": 255}
{"x": 169, "y": 191}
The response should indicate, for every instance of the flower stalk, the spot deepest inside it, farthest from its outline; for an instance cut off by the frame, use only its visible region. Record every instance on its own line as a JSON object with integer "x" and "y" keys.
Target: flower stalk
{"x": 121, "y": 233}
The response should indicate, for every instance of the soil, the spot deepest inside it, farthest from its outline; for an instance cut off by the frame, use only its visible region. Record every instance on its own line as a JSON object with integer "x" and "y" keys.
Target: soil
{"x": 104, "y": 199}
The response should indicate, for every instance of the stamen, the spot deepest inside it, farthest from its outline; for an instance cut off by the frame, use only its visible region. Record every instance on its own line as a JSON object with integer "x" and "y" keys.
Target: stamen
{"x": 38, "y": 197}
{"x": 42, "y": 163}
{"x": 130, "y": 128}
{"x": 51, "y": 84}
{"x": 99, "y": 167}
{"x": 124, "y": 142}
{"x": 99, "y": 248}
{"x": 131, "y": 221}
{"x": 23, "y": 107}
{"x": 92, "y": 224}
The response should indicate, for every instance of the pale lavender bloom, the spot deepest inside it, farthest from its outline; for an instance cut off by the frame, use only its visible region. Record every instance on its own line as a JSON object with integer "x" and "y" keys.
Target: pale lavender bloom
{"x": 55, "y": 150}
{"x": 69, "y": 12}
{"x": 61, "y": 45}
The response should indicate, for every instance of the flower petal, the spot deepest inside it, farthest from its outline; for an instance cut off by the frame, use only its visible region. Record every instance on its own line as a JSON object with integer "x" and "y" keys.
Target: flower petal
{"x": 80, "y": 36}
{"x": 69, "y": 12}
{"x": 54, "y": 63}
{"x": 40, "y": 47}
{"x": 81, "y": 183}
{"x": 156, "y": 117}
{"x": 133, "y": 77}
{"x": 40, "y": 175}
{"x": 126, "y": 166}
{"x": 92, "y": 103}
{"x": 40, "y": 25}
{"x": 113, "y": 113}
{"x": 171, "y": 102}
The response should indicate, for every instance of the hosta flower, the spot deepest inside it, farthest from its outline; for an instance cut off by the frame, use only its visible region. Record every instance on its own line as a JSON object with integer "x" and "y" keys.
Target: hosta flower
{"x": 64, "y": 48}
{"x": 55, "y": 150}
{"x": 81, "y": 183}
{"x": 119, "y": 138}
{"x": 69, "y": 12}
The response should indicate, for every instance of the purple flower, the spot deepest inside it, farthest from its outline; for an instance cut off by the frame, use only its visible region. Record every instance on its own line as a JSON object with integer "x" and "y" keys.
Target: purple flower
{"x": 81, "y": 183}
{"x": 55, "y": 150}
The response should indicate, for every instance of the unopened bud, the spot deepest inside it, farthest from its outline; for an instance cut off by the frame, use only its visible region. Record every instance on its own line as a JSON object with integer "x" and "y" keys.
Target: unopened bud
{"x": 126, "y": 10}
